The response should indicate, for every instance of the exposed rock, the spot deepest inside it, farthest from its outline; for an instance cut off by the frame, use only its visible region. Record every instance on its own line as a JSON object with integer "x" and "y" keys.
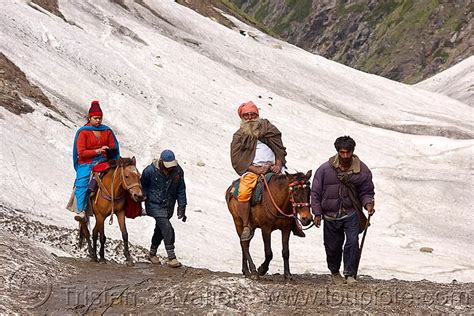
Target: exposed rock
{"x": 51, "y": 6}
{"x": 14, "y": 85}
{"x": 208, "y": 8}
{"x": 426, "y": 249}
{"x": 120, "y": 3}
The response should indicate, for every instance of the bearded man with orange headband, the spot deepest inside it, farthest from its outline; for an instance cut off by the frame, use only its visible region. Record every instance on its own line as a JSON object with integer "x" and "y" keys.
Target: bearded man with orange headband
{"x": 256, "y": 149}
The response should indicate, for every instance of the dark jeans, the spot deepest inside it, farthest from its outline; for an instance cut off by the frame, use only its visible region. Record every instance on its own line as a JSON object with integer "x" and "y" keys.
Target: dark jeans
{"x": 163, "y": 231}
{"x": 334, "y": 233}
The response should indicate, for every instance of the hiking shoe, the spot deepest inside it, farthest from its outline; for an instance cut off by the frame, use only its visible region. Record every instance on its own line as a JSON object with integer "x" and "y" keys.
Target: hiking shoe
{"x": 174, "y": 263}
{"x": 154, "y": 259}
{"x": 351, "y": 280}
{"x": 247, "y": 234}
{"x": 337, "y": 279}
{"x": 80, "y": 216}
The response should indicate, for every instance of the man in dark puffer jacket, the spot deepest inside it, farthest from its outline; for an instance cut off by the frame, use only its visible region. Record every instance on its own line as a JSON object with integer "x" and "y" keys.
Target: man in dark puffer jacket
{"x": 163, "y": 185}
{"x": 330, "y": 198}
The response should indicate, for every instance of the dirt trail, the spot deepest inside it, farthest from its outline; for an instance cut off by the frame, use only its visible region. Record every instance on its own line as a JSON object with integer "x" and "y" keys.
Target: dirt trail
{"x": 144, "y": 288}
{"x": 37, "y": 281}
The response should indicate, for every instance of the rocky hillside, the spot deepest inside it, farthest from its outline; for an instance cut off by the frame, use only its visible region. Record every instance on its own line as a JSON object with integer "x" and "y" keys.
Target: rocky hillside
{"x": 402, "y": 40}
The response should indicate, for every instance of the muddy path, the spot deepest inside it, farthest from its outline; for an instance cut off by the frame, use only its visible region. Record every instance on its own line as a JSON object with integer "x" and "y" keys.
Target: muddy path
{"x": 145, "y": 288}
{"x": 34, "y": 280}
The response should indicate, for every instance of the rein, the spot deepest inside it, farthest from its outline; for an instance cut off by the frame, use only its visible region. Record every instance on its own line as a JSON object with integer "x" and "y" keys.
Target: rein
{"x": 292, "y": 187}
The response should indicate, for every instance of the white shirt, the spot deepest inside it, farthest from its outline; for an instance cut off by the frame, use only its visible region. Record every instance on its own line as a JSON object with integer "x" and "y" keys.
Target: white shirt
{"x": 263, "y": 155}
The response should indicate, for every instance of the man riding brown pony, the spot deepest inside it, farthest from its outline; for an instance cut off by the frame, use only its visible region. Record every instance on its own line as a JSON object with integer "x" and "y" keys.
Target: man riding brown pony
{"x": 256, "y": 150}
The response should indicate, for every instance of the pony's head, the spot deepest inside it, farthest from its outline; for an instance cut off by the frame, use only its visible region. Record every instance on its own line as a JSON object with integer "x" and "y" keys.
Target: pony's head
{"x": 131, "y": 178}
{"x": 299, "y": 189}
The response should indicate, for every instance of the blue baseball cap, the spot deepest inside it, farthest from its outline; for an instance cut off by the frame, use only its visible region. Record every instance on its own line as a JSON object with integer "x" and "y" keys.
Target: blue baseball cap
{"x": 168, "y": 158}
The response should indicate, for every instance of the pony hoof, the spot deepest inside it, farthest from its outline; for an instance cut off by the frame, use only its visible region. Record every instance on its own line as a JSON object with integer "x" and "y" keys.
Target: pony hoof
{"x": 129, "y": 263}
{"x": 102, "y": 261}
{"x": 262, "y": 271}
{"x": 288, "y": 277}
{"x": 94, "y": 259}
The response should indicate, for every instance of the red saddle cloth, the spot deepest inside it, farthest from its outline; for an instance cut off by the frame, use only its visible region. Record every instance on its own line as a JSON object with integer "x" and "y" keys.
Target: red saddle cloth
{"x": 101, "y": 167}
{"x": 132, "y": 209}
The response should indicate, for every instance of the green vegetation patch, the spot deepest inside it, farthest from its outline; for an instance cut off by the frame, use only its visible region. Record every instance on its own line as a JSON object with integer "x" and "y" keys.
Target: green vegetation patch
{"x": 383, "y": 9}
{"x": 300, "y": 9}
{"x": 237, "y": 12}
{"x": 262, "y": 11}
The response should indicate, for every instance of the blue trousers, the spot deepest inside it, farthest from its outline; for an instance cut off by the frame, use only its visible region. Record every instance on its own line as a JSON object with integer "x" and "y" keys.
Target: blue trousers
{"x": 81, "y": 184}
{"x": 163, "y": 232}
{"x": 334, "y": 234}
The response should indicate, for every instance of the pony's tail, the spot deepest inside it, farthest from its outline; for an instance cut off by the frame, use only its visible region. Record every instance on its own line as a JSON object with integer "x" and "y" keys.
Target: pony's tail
{"x": 81, "y": 237}
{"x": 228, "y": 193}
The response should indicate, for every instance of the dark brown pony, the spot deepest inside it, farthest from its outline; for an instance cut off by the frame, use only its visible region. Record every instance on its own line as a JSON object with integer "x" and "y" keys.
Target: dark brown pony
{"x": 285, "y": 199}
{"x": 121, "y": 179}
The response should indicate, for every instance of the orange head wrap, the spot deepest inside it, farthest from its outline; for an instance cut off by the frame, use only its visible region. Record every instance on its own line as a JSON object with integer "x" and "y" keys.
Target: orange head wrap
{"x": 247, "y": 107}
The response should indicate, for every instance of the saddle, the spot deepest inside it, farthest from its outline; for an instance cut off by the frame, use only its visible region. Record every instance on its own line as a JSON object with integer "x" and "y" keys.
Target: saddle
{"x": 101, "y": 167}
{"x": 97, "y": 171}
{"x": 257, "y": 191}
{"x": 132, "y": 209}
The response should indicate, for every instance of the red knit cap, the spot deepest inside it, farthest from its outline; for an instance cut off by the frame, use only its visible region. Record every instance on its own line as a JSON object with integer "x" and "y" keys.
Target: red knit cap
{"x": 95, "y": 109}
{"x": 247, "y": 107}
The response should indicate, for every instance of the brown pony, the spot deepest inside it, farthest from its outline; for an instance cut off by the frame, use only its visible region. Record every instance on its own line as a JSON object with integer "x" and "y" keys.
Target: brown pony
{"x": 285, "y": 199}
{"x": 110, "y": 199}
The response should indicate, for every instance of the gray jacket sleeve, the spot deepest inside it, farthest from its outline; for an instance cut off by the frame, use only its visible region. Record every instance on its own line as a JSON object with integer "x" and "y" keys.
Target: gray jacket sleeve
{"x": 366, "y": 188}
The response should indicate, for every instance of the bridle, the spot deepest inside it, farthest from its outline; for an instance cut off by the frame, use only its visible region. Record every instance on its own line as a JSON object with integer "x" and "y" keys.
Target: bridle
{"x": 110, "y": 196}
{"x": 124, "y": 181}
{"x": 292, "y": 188}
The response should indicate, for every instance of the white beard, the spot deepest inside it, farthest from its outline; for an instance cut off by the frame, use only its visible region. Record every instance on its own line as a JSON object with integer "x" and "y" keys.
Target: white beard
{"x": 251, "y": 128}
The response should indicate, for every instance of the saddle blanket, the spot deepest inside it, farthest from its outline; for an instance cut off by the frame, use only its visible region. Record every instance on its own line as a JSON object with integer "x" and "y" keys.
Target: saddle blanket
{"x": 257, "y": 192}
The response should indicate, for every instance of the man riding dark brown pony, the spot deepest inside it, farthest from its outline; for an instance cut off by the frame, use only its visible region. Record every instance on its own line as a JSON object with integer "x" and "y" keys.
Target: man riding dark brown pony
{"x": 257, "y": 149}
{"x": 118, "y": 188}
{"x": 285, "y": 198}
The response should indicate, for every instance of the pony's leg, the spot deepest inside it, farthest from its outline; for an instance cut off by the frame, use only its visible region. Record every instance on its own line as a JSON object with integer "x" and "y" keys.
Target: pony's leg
{"x": 285, "y": 238}
{"x": 100, "y": 224}
{"x": 87, "y": 236}
{"x": 95, "y": 235}
{"x": 92, "y": 254}
{"x": 245, "y": 266}
{"x": 246, "y": 252}
{"x": 267, "y": 241}
{"x": 239, "y": 227}
{"x": 123, "y": 229}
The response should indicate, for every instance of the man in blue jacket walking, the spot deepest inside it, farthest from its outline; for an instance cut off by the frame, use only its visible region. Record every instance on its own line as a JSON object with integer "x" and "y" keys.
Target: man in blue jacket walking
{"x": 163, "y": 185}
